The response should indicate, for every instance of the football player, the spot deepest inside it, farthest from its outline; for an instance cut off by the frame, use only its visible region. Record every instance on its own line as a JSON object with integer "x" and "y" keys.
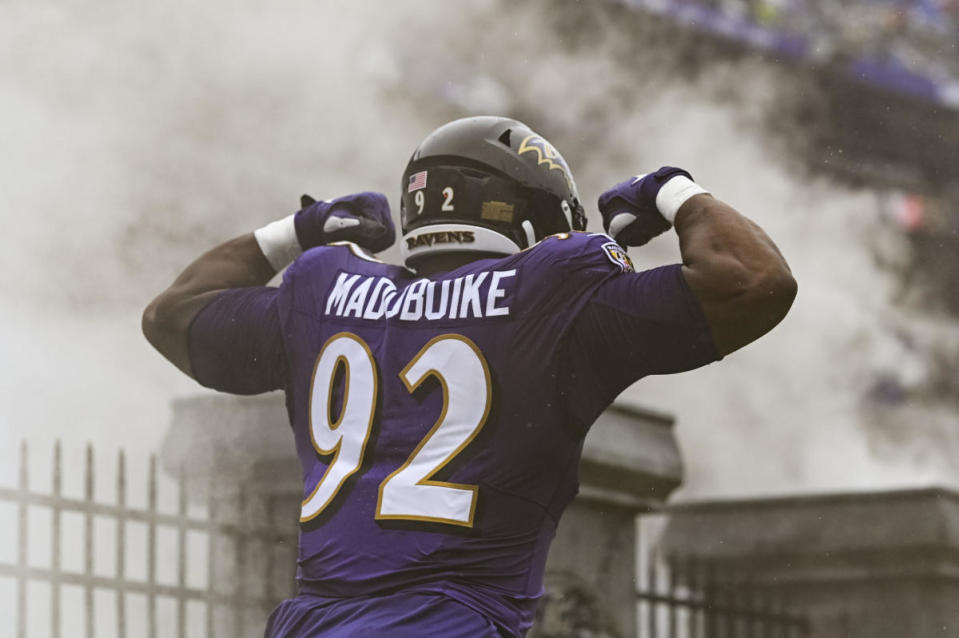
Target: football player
{"x": 439, "y": 406}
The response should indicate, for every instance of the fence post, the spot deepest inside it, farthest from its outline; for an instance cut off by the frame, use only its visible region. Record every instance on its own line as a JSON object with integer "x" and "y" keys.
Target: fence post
{"x": 22, "y": 544}
{"x": 768, "y": 609}
{"x": 269, "y": 588}
{"x": 654, "y": 590}
{"x": 121, "y": 542}
{"x": 710, "y": 600}
{"x": 55, "y": 543}
{"x": 211, "y": 512}
{"x": 181, "y": 557}
{"x": 749, "y": 598}
{"x": 88, "y": 542}
{"x": 672, "y": 588}
{"x": 694, "y": 582}
{"x": 151, "y": 549}
{"x": 727, "y": 597}
{"x": 240, "y": 547}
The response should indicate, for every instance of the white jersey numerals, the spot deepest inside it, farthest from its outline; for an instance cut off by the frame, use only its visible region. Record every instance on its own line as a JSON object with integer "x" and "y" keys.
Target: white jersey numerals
{"x": 409, "y": 493}
{"x": 345, "y": 437}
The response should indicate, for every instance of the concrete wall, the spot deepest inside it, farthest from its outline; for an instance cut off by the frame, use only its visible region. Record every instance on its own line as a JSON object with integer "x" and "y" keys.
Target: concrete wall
{"x": 869, "y": 565}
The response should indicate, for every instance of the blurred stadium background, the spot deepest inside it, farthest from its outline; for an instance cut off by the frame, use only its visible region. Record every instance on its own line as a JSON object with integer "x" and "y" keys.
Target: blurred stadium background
{"x": 135, "y": 137}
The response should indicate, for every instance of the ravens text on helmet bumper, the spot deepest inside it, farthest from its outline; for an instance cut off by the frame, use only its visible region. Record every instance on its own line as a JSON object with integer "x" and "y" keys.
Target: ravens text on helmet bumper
{"x": 447, "y": 237}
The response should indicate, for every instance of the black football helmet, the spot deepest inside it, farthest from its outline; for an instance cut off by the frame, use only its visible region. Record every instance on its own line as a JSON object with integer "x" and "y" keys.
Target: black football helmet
{"x": 485, "y": 185}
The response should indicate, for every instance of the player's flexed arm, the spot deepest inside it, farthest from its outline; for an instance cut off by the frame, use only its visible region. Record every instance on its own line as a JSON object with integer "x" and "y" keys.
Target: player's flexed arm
{"x": 735, "y": 271}
{"x": 254, "y": 258}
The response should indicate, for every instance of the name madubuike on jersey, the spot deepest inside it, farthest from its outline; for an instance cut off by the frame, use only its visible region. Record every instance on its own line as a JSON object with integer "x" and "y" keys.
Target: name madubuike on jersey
{"x": 472, "y": 296}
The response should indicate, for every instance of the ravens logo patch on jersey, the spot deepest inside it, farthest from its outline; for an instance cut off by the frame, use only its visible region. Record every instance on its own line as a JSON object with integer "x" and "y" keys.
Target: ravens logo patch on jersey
{"x": 617, "y": 255}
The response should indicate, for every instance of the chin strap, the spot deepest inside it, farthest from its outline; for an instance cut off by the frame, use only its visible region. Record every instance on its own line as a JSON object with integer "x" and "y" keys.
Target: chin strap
{"x": 530, "y": 233}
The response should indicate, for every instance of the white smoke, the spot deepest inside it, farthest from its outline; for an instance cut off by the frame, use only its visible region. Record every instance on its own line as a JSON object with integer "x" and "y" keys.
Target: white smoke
{"x": 137, "y": 136}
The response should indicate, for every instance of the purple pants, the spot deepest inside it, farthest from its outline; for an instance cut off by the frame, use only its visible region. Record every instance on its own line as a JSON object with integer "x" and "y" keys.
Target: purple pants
{"x": 399, "y": 615}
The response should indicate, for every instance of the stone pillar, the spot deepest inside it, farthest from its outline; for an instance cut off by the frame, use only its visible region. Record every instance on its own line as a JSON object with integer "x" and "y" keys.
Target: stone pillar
{"x": 868, "y": 565}
{"x": 630, "y": 463}
{"x": 237, "y": 454}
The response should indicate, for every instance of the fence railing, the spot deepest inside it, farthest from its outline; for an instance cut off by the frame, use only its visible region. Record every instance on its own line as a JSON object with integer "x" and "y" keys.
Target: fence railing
{"x": 239, "y": 566}
{"x": 244, "y": 576}
{"x": 690, "y": 598}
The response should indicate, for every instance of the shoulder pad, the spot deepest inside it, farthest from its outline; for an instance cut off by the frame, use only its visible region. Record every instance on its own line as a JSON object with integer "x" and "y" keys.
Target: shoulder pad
{"x": 335, "y": 255}
{"x": 597, "y": 248}
{"x": 356, "y": 250}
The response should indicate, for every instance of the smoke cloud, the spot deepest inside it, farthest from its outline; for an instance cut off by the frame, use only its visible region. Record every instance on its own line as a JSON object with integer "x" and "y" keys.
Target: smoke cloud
{"x": 135, "y": 137}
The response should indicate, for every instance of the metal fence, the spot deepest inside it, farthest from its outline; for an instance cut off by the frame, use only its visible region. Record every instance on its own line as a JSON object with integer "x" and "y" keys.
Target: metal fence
{"x": 248, "y": 565}
{"x": 689, "y": 598}
{"x": 246, "y": 557}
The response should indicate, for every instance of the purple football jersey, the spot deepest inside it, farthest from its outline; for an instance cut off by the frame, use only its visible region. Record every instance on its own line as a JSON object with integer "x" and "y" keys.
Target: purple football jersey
{"x": 512, "y": 455}
{"x": 439, "y": 420}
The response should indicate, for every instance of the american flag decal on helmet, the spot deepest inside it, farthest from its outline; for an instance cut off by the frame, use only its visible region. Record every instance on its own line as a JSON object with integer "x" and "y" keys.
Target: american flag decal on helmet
{"x": 417, "y": 181}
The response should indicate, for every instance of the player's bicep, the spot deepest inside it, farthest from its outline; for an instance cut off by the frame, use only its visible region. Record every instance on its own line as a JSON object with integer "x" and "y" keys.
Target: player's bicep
{"x": 635, "y": 325}
{"x": 655, "y": 319}
{"x": 236, "y": 342}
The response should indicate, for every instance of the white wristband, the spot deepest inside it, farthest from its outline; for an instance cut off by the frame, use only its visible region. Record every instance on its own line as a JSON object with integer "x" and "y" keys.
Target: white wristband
{"x": 278, "y": 242}
{"x": 674, "y": 194}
